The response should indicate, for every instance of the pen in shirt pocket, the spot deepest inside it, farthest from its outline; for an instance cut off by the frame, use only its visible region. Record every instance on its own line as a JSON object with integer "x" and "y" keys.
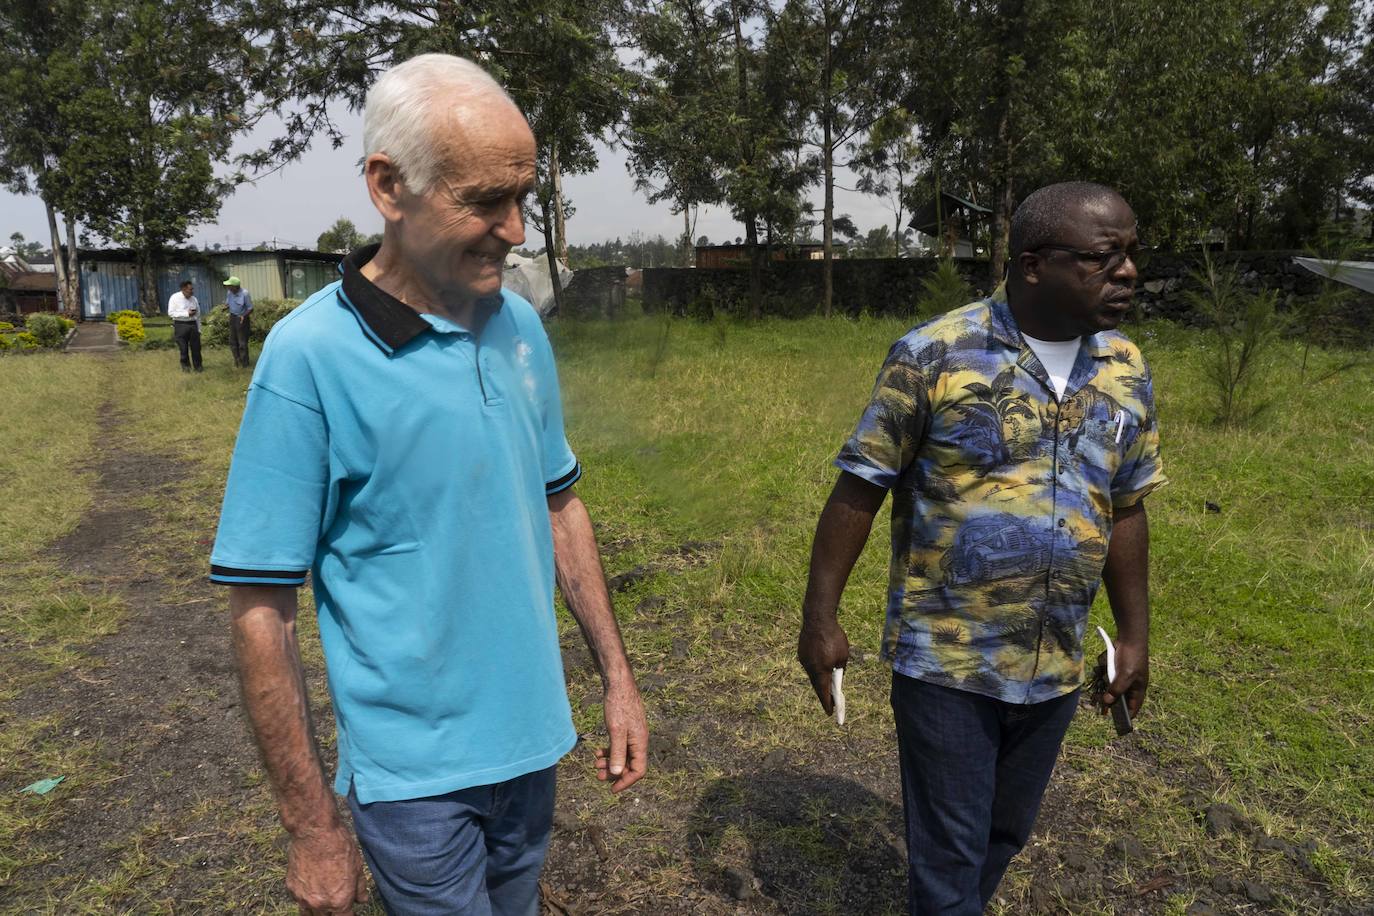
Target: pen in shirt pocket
{"x": 1120, "y": 424}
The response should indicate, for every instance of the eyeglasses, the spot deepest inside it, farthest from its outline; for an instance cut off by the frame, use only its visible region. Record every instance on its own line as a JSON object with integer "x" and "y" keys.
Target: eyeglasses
{"x": 1108, "y": 260}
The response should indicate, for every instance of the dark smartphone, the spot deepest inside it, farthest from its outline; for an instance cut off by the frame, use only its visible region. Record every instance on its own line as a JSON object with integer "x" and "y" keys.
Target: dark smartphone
{"x": 1122, "y": 717}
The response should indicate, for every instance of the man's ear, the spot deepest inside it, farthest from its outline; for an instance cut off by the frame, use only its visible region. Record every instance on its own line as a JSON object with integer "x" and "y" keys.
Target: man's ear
{"x": 1030, "y": 265}
{"x": 385, "y": 186}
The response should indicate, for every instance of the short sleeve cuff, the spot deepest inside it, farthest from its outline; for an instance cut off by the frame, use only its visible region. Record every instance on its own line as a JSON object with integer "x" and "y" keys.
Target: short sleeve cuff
{"x": 559, "y": 484}
{"x": 233, "y": 575}
{"x": 1129, "y": 498}
{"x": 880, "y": 478}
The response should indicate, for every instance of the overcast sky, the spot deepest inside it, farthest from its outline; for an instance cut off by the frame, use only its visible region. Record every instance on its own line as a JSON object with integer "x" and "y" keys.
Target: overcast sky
{"x": 296, "y": 204}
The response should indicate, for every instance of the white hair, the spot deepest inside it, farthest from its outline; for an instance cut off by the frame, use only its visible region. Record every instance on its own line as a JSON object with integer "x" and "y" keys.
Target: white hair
{"x": 400, "y": 114}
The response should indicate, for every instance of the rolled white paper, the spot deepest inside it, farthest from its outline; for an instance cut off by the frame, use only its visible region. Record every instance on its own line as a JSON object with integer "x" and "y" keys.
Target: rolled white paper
{"x": 837, "y": 693}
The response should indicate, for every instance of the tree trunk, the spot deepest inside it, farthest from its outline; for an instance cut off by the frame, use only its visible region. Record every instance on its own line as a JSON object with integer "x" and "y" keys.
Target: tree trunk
{"x": 147, "y": 282}
{"x": 1002, "y": 202}
{"x": 751, "y": 238}
{"x": 73, "y": 266}
{"x": 686, "y": 237}
{"x": 560, "y": 228}
{"x": 828, "y": 167}
{"x": 64, "y": 301}
{"x": 552, "y": 258}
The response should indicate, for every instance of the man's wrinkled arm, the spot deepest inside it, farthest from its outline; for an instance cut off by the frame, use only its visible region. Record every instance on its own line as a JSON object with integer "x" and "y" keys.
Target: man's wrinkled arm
{"x": 324, "y": 870}
{"x": 841, "y": 533}
{"x": 582, "y": 580}
{"x": 1127, "y": 577}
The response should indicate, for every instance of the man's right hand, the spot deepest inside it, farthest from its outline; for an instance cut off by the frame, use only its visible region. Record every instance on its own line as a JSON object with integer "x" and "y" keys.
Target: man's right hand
{"x": 821, "y": 648}
{"x": 324, "y": 871}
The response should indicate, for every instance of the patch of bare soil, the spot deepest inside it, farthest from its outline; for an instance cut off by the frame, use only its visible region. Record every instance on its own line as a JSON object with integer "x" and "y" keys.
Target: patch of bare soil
{"x": 158, "y": 708}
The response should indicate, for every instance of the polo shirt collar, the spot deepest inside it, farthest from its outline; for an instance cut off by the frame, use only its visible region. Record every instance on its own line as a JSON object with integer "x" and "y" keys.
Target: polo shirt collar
{"x": 387, "y": 321}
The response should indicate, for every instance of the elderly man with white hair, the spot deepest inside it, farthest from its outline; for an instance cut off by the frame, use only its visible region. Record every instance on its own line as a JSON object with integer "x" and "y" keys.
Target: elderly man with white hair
{"x": 403, "y": 443}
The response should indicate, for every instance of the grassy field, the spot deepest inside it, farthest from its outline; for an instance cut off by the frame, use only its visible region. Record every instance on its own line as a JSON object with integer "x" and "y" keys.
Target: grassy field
{"x": 707, "y": 449}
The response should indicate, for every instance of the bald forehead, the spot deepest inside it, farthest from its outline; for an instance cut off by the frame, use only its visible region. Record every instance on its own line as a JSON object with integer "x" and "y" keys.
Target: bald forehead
{"x": 466, "y": 124}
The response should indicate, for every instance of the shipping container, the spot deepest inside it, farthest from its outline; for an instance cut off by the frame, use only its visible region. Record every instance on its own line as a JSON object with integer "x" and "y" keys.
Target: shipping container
{"x": 107, "y": 286}
{"x": 305, "y": 278}
{"x": 170, "y": 277}
{"x": 259, "y": 272}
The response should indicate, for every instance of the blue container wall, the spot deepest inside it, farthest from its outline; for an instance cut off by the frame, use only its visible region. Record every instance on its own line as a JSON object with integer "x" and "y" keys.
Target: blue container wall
{"x": 169, "y": 281}
{"x": 107, "y": 287}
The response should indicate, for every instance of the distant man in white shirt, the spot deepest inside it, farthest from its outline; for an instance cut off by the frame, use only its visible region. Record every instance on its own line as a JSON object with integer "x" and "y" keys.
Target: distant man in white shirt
{"x": 184, "y": 310}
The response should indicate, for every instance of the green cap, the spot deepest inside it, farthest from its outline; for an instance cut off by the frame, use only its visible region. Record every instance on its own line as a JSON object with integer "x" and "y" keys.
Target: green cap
{"x": 232, "y": 281}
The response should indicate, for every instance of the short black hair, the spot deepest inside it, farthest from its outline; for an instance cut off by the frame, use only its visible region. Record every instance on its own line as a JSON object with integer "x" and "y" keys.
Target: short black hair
{"x": 1040, "y": 218}
{"x": 187, "y": 283}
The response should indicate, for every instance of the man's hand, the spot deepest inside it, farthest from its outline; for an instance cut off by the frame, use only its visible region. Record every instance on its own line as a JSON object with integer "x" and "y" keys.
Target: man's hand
{"x": 324, "y": 872}
{"x": 1132, "y": 677}
{"x": 821, "y": 648}
{"x": 628, "y": 755}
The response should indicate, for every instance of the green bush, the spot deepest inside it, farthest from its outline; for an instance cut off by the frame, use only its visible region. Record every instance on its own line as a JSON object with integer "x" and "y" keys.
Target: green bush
{"x": 215, "y": 330}
{"x": 26, "y": 341}
{"x": 130, "y": 329}
{"x": 6, "y": 342}
{"x": 943, "y": 290}
{"x": 6, "y": 326}
{"x": 113, "y": 317}
{"x": 159, "y": 343}
{"x": 47, "y": 328}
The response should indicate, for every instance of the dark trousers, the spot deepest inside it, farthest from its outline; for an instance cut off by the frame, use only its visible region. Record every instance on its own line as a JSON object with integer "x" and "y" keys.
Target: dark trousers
{"x": 973, "y": 771}
{"x": 187, "y": 335}
{"x": 238, "y": 338}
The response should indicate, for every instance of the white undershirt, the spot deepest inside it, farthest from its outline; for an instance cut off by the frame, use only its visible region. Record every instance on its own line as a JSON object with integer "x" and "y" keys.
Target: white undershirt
{"x": 1058, "y": 357}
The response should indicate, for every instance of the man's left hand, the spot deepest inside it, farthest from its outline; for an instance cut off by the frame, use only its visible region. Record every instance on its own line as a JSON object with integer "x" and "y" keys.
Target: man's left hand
{"x": 627, "y": 757}
{"x": 1132, "y": 677}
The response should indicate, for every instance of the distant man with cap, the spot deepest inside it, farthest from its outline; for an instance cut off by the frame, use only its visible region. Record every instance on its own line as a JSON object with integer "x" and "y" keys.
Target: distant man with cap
{"x": 1018, "y": 438}
{"x": 403, "y": 443}
{"x": 240, "y": 307}
{"x": 184, "y": 310}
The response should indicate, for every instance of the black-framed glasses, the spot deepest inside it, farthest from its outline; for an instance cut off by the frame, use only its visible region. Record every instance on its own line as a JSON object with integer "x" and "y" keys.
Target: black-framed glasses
{"x": 1105, "y": 261}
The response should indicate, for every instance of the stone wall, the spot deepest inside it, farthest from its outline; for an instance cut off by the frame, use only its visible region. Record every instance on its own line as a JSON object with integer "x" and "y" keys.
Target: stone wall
{"x": 595, "y": 292}
{"x": 891, "y": 286}
{"x": 881, "y": 286}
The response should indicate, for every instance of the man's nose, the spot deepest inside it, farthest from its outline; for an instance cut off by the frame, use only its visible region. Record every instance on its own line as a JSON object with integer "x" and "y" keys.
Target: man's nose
{"x": 511, "y": 228}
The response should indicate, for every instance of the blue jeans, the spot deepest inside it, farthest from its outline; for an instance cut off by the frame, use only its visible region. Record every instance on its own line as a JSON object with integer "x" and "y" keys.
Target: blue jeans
{"x": 973, "y": 771}
{"x": 475, "y": 852}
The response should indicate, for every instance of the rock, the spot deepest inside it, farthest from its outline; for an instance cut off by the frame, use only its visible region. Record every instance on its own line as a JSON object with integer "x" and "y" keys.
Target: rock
{"x": 1154, "y": 286}
{"x": 1225, "y": 884}
{"x": 1075, "y": 860}
{"x": 774, "y": 758}
{"x": 681, "y": 649}
{"x": 1126, "y": 848}
{"x": 1258, "y": 893}
{"x": 739, "y": 883}
{"x": 1222, "y": 819}
{"x": 630, "y": 577}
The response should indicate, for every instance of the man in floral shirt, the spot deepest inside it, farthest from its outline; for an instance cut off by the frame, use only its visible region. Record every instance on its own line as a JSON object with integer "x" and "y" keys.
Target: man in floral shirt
{"x": 1018, "y": 436}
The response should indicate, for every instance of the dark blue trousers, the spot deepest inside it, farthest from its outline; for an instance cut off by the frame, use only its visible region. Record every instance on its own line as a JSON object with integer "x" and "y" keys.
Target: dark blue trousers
{"x": 973, "y": 771}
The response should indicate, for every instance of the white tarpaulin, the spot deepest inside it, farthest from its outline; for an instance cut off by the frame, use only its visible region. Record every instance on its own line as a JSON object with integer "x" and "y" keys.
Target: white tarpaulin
{"x": 1359, "y": 274}
{"x": 529, "y": 277}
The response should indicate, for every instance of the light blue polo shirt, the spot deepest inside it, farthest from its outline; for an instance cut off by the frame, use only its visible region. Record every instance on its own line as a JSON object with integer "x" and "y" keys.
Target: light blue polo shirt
{"x": 406, "y": 464}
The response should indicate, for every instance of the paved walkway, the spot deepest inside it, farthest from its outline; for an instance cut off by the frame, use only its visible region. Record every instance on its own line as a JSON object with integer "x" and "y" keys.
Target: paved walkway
{"x": 93, "y": 337}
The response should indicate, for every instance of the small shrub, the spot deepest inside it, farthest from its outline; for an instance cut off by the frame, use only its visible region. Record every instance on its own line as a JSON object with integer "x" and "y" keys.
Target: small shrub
{"x": 130, "y": 329}
{"x": 159, "y": 343}
{"x": 215, "y": 329}
{"x": 26, "y": 341}
{"x": 113, "y": 317}
{"x": 6, "y": 343}
{"x": 49, "y": 329}
{"x": 6, "y": 326}
{"x": 1245, "y": 328}
{"x": 943, "y": 290}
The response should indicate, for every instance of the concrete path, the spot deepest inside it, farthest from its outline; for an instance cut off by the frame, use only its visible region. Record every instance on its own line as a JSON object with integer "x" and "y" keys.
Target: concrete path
{"x": 93, "y": 337}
